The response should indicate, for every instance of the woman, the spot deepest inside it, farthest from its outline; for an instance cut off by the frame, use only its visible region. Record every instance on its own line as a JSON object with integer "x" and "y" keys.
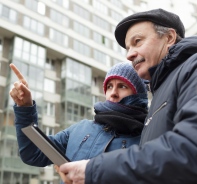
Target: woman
{"x": 117, "y": 123}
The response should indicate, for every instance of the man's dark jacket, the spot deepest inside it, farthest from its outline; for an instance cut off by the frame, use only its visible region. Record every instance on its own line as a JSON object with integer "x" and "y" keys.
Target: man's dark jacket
{"x": 168, "y": 149}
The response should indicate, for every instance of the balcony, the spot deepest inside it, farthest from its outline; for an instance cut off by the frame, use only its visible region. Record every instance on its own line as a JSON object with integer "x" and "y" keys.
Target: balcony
{"x": 15, "y": 164}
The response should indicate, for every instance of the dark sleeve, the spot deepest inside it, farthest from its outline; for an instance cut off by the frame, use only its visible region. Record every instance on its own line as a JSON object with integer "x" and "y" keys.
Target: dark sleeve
{"x": 29, "y": 153}
{"x": 168, "y": 159}
{"x": 171, "y": 158}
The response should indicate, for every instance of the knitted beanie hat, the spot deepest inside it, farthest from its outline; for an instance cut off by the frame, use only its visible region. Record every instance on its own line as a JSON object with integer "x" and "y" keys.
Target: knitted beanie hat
{"x": 125, "y": 72}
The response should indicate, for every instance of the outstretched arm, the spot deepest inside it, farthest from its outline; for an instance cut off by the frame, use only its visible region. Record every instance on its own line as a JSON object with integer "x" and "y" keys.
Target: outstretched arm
{"x": 25, "y": 114}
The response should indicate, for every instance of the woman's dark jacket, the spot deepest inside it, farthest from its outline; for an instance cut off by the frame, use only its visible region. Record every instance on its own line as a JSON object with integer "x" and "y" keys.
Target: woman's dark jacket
{"x": 168, "y": 149}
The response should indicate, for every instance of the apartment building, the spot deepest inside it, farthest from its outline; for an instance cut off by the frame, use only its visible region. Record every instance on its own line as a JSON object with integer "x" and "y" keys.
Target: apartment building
{"x": 63, "y": 48}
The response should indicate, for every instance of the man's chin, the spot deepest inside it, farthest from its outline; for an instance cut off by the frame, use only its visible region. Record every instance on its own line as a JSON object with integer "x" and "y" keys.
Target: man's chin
{"x": 143, "y": 74}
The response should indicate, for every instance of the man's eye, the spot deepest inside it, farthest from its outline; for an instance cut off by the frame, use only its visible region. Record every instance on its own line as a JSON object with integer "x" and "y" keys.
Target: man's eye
{"x": 109, "y": 86}
{"x": 137, "y": 41}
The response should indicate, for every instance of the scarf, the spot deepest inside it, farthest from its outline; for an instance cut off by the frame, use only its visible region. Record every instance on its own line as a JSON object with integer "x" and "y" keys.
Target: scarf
{"x": 123, "y": 117}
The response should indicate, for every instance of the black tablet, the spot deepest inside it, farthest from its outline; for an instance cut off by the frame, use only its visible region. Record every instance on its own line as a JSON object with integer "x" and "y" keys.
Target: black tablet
{"x": 35, "y": 134}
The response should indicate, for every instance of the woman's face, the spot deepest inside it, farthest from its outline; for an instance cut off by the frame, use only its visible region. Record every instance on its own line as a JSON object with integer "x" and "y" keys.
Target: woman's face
{"x": 117, "y": 90}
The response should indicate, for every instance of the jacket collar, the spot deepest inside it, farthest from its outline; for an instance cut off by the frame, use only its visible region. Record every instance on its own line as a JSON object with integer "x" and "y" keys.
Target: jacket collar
{"x": 177, "y": 54}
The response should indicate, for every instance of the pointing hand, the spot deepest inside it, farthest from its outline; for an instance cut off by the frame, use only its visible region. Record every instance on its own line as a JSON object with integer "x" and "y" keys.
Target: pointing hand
{"x": 20, "y": 92}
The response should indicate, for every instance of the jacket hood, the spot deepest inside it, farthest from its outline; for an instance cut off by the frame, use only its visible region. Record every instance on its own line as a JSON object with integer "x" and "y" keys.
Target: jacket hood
{"x": 177, "y": 54}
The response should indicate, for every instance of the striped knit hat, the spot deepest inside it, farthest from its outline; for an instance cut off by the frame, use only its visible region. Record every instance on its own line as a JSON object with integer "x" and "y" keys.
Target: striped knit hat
{"x": 125, "y": 72}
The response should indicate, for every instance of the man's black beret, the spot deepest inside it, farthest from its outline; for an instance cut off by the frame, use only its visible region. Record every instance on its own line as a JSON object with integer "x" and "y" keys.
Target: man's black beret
{"x": 157, "y": 16}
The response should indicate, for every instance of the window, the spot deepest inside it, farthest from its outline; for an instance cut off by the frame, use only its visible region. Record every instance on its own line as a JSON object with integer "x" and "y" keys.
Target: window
{"x": 81, "y": 12}
{"x": 41, "y": 8}
{"x": 36, "y": 6}
{"x": 100, "y": 6}
{"x": 76, "y": 112}
{"x": 117, "y": 3}
{"x": 116, "y": 16}
{"x": 49, "y": 109}
{"x": 101, "y": 23}
{"x": 23, "y": 67}
{"x": 100, "y": 39}
{"x": 81, "y": 29}
{"x": 29, "y": 52}
{"x": 64, "y": 3}
{"x": 59, "y": 18}
{"x": 48, "y": 130}
{"x": 117, "y": 48}
{"x": 49, "y": 85}
{"x": 33, "y": 25}
{"x": 8, "y": 14}
{"x": 58, "y": 37}
{"x": 38, "y": 97}
{"x": 50, "y": 64}
{"x": 33, "y": 74}
{"x": 81, "y": 48}
{"x": 78, "y": 71}
{"x": 95, "y": 99}
{"x": 101, "y": 57}
{"x": 36, "y": 76}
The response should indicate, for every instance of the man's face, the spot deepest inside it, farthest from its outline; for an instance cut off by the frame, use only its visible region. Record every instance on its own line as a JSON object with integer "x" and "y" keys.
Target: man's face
{"x": 144, "y": 47}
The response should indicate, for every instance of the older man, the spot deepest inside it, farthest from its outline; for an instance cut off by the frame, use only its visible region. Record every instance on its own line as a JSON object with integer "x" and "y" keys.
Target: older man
{"x": 167, "y": 153}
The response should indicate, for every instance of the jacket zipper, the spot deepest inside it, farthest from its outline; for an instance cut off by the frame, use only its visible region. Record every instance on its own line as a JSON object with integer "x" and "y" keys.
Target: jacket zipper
{"x": 84, "y": 139}
{"x": 149, "y": 119}
{"x": 109, "y": 142}
{"x": 82, "y": 142}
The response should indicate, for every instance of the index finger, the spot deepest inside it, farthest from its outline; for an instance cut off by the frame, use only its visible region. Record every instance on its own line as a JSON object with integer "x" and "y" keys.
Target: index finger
{"x": 17, "y": 72}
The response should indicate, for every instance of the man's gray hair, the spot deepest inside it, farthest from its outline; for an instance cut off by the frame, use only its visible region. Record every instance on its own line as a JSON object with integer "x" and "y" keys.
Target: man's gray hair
{"x": 161, "y": 30}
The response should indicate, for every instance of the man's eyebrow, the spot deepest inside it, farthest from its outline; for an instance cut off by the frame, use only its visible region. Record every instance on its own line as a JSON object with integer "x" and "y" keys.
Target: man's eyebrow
{"x": 131, "y": 39}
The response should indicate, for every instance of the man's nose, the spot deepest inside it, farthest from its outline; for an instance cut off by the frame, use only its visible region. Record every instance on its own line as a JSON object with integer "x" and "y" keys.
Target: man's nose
{"x": 131, "y": 54}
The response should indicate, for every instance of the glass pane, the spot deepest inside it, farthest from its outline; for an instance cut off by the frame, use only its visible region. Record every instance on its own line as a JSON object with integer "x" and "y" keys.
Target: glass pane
{"x": 33, "y": 49}
{"x": 32, "y": 83}
{"x": 40, "y": 28}
{"x": 17, "y": 53}
{"x": 5, "y": 12}
{"x": 25, "y": 56}
{"x": 32, "y": 72}
{"x": 6, "y": 177}
{"x": 69, "y": 107}
{"x": 0, "y": 9}
{"x": 49, "y": 85}
{"x": 25, "y": 179}
{"x": 33, "y": 25}
{"x": 33, "y": 59}
{"x": 65, "y": 43}
{"x": 41, "y": 52}
{"x": 41, "y": 8}
{"x": 26, "y": 46}
{"x": 13, "y": 16}
{"x": 40, "y": 75}
{"x": 69, "y": 68}
{"x": 76, "y": 109}
{"x": 18, "y": 43}
{"x": 24, "y": 69}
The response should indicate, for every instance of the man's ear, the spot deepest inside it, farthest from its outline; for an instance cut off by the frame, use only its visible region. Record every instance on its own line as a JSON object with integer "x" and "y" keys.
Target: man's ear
{"x": 171, "y": 37}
